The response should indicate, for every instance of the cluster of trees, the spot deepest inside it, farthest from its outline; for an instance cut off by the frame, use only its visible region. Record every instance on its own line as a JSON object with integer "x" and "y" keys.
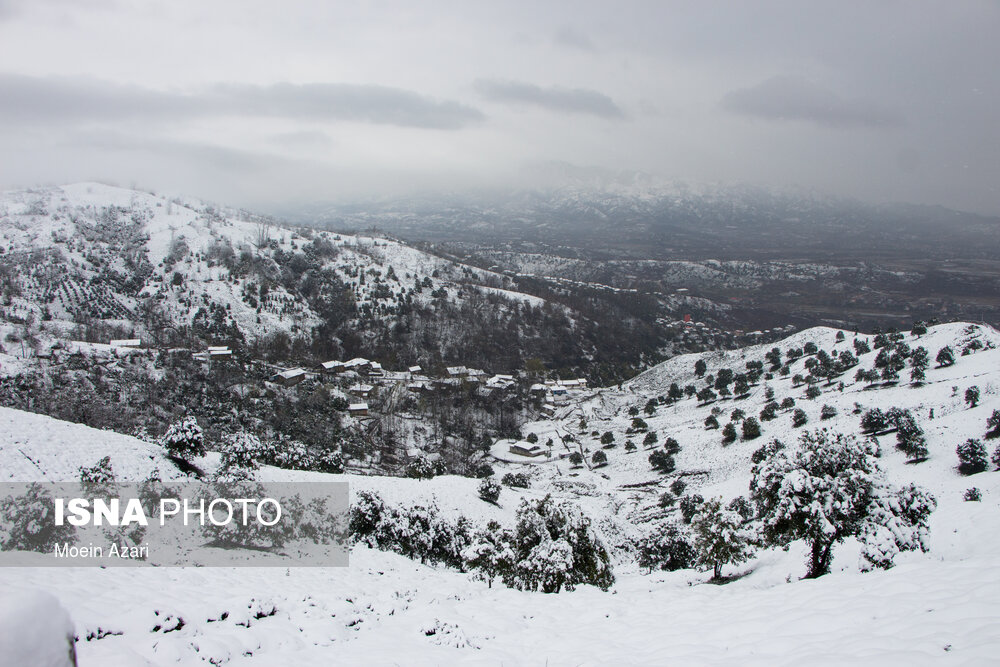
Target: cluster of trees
{"x": 972, "y": 454}
{"x": 824, "y": 490}
{"x": 551, "y": 547}
{"x": 893, "y": 356}
{"x": 910, "y": 437}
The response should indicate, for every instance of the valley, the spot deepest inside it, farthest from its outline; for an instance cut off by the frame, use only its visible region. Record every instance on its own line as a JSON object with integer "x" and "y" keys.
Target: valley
{"x": 541, "y": 449}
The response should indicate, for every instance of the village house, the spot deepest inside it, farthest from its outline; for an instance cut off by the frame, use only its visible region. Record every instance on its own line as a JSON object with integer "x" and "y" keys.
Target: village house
{"x": 500, "y": 381}
{"x": 289, "y": 378}
{"x": 527, "y": 449}
{"x": 457, "y": 372}
{"x": 125, "y": 342}
{"x": 358, "y": 409}
{"x": 362, "y": 390}
{"x": 331, "y": 367}
{"x": 357, "y": 364}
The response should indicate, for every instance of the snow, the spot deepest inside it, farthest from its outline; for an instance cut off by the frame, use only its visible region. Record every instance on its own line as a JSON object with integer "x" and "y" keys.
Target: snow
{"x": 35, "y": 630}
{"x": 38, "y": 448}
{"x": 923, "y": 613}
{"x": 939, "y": 607}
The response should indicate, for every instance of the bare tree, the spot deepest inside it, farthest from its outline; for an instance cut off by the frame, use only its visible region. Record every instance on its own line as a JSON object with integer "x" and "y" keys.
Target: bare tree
{"x": 263, "y": 235}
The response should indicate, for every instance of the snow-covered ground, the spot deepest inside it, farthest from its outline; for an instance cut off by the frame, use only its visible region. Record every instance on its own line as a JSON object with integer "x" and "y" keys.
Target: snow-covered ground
{"x": 939, "y": 607}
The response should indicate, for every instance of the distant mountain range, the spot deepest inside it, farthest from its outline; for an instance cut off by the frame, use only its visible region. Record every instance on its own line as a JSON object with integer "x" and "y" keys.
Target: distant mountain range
{"x": 637, "y": 217}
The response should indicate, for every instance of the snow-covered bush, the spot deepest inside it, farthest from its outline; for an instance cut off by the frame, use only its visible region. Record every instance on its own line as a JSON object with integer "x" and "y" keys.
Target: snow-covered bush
{"x": 972, "y": 396}
{"x": 489, "y": 490}
{"x": 231, "y": 485}
{"x": 516, "y": 480}
{"x": 416, "y": 532}
{"x": 482, "y": 471}
{"x": 827, "y": 412}
{"x": 599, "y": 459}
{"x": 829, "y": 488}
{"x": 241, "y": 450}
{"x": 420, "y": 468}
{"x": 99, "y": 479}
{"x": 910, "y": 437}
{"x": 751, "y": 428}
{"x": 151, "y": 491}
{"x": 662, "y": 462}
{"x": 666, "y": 548}
{"x": 973, "y": 495}
{"x": 555, "y": 547}
{"x": 330, "y": 461}
{"x": 184, "y": 440}
{"x": 741, "y": 506}
{"x": 366, "y": 515}
{"x": 27, "y": 522}
{"x": 874, "y": 421}
{"x": 972, "y": 457}
{"x": 690, "y": 505}
{"x": 489, "y": 554}
{"x": 799, "y": 418}
{"x": 993, "y": 426}
{"x": 719, "y": 537}
{"x": 290, "y": 455}
{"x": 897, "y": 521}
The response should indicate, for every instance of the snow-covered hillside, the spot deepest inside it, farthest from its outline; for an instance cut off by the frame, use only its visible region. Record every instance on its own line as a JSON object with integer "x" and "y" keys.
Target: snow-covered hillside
{"x": 95, "y": 251}
{"x": 938, "y": 607}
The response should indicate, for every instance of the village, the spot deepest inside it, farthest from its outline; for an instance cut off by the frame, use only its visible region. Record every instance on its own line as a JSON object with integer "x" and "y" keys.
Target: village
{"x": 361, "y": 377}
{"x": 356, "y": 381}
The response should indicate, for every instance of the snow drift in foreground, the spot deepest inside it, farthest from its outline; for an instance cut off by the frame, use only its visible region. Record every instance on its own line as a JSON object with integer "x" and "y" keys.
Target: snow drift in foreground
{"x": 35, "y": 630}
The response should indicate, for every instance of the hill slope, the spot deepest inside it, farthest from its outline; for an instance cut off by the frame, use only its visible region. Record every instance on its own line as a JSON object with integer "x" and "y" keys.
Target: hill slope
{"x": 939, "y": 607}
{"x": 102, "y": 262}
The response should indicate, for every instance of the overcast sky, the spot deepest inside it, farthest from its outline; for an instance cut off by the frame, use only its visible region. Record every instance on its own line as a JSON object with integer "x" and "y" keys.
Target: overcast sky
{"x": 261, "y": 102}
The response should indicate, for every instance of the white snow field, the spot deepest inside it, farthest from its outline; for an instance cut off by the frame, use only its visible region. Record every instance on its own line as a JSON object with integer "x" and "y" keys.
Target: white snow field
{"x": 938, "y": 607}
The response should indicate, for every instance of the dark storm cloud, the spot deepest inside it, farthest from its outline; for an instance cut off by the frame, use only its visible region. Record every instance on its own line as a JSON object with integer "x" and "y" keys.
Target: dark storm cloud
{"x": 25, "y": 98}
{"x": 575, "y": 40}
{"x": 792, "y": 98}
{"x": 373, "y": 104}
{"x": 564, "y": 100}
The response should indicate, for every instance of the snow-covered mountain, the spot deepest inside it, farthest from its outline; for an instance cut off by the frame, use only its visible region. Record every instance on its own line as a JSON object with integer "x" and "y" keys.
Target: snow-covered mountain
{"x": 167, "y": 268}
{"x": 636, "y": 216}
{"x": 936, "y": 607}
